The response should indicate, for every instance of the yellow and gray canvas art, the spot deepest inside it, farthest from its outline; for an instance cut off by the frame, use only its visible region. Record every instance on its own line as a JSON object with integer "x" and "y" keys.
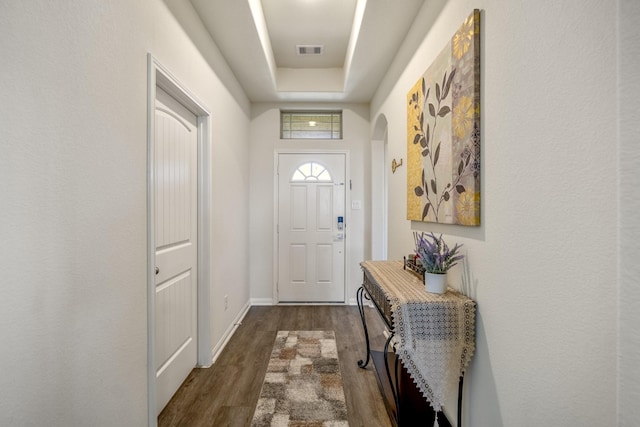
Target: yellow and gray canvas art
{"x": 443, "y": 133}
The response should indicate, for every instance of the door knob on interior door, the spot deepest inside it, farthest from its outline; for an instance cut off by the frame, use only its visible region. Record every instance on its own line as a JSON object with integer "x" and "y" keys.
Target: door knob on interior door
{"x": 157, "y": 270}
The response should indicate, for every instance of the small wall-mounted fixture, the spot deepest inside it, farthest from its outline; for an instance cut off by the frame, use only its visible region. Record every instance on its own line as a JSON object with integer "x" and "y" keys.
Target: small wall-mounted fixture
{"x": 395, "y": 165}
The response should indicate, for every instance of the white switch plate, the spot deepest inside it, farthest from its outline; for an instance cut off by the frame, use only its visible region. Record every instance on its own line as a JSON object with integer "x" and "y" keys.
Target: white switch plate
{"x": 356, "y": 205}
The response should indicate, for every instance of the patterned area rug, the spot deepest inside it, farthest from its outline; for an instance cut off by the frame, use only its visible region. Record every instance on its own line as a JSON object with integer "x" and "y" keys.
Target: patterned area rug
{"x": 303, "y": 385}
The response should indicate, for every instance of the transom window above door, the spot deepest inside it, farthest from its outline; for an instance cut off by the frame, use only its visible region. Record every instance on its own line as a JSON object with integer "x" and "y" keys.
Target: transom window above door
{"x": 311, "y": 171}
{"x": 310, "y": 124}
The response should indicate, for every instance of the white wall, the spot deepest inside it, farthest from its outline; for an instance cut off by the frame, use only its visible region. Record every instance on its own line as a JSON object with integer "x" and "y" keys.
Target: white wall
{"x": 265, "y": 140}
{"x": 542, "y": 266}
{"x": 629, "y": 196}
{"x": 73, "y": 218}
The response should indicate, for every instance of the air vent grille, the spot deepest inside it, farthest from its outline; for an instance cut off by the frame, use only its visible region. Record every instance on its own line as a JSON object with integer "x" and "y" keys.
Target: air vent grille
{"x": 309, "y": 49}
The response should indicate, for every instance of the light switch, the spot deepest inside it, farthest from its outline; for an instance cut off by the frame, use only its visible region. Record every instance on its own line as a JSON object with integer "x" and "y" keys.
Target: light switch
{"x": 356, "y": 205}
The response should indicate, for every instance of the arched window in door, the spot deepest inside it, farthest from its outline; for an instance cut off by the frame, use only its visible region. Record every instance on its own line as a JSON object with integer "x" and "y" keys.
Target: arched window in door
{"x": 311, "y": 171}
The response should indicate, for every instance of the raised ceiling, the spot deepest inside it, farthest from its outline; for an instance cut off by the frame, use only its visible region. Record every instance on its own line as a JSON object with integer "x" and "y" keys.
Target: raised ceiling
{"x": 259, "y": 40}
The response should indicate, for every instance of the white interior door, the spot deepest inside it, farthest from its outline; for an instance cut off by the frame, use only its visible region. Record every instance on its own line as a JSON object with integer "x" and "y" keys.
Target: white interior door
{"x": 311, "y": 227}
{"x": 176, "y": 245}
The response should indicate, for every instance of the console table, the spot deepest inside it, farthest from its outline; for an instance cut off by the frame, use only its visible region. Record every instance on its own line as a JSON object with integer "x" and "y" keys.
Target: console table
{"x": 431, "y": 341}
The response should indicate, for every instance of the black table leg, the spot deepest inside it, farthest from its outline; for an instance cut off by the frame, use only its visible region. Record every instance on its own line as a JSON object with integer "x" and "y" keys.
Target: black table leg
{"x": 392, "y": 383}
{"x": 360, "y": 295}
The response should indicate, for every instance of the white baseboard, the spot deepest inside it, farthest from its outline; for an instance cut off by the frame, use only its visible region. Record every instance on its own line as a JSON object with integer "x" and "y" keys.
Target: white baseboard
{"x": 217, "y": 349}
{"x": 261, "y": 301}
{"x": 269, "y": 301}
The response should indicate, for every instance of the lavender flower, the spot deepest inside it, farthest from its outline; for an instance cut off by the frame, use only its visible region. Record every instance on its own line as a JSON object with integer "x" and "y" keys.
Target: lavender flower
{"x": 434, "y": 254}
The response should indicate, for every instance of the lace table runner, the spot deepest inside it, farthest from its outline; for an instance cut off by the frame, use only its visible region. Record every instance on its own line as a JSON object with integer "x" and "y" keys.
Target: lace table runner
{"x": 435, "y": 333}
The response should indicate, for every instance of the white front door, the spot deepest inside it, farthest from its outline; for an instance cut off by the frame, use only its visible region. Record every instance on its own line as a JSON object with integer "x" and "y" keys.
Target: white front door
{"x": 175, "y": 172}
{"x": 311, "y": 227}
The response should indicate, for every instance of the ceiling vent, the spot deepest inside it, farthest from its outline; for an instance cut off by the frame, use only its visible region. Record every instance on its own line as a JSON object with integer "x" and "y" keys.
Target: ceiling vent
{"x": 309, "y": 49}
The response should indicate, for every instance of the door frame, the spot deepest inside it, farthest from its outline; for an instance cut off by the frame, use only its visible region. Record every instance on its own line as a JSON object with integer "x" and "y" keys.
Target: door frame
{"x": 159, "y": 76}
{"x": 276, "y": 219}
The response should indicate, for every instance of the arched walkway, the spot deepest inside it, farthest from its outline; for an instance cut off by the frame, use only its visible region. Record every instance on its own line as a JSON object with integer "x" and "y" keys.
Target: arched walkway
{"x": 379, "y": 171}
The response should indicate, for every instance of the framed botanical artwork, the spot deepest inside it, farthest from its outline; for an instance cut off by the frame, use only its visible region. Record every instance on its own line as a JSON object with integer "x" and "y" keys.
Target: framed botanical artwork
{"x": 443, "y": 133}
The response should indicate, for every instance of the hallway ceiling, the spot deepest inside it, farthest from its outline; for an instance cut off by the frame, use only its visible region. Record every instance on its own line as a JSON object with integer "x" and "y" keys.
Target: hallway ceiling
{"x": 259, "y": 39}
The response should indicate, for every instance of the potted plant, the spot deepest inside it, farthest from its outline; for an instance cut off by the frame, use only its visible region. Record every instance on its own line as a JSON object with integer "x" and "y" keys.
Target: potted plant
{"x": 437, "y": 258}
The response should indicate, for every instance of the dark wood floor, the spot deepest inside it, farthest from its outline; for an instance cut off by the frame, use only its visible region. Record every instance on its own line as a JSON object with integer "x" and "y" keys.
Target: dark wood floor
{"x": 226, "y": 393}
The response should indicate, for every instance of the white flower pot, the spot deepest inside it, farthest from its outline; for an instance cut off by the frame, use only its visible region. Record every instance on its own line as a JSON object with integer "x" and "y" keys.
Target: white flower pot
{"x": 436, "y": 283}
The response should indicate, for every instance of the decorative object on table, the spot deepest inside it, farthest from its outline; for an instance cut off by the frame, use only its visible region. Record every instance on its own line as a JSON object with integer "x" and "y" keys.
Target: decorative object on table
{"x": 411, "y": 263}
{"x": 436, "y": 283}
{"x": 437, "y": 258}
{"x": 443, "y": 134}
{"x": 303, "y": 383}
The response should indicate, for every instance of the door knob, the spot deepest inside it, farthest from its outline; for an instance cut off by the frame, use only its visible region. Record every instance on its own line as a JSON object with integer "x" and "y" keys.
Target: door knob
{"x": 157, "y": 270}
